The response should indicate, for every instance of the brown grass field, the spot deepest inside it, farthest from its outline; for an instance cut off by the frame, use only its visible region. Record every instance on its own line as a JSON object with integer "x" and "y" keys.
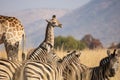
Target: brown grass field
{"x": 88, "y": 57}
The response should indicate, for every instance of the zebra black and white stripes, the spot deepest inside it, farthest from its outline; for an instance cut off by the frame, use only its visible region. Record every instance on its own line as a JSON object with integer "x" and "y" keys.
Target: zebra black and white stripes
{"x": 36, "y": 70}
{"x": 73, "y": 70}
{"x": 8, "y": 69}
{"x": 107, "y": 59}
{"x": 104, "y": 71}
{"x": 78, "y": 71}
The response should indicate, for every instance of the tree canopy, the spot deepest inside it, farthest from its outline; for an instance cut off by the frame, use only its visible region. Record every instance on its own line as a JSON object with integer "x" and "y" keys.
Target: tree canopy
{"x": 68, "y": 43}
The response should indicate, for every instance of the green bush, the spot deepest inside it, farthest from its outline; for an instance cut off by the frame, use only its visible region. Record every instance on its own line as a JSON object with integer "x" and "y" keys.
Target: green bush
{"x": 68, "y": 43}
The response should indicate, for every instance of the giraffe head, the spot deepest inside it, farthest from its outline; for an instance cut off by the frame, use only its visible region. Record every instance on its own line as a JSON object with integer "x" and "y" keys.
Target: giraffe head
{"x": 54, "y": 22}
{"x": 12, "y": 50}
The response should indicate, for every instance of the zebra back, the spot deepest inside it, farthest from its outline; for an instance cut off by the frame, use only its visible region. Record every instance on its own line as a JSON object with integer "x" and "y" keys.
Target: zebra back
{"x": 8, "y": 69}
{"x": 41, "y": 54}
{"x": 33, "y": 70}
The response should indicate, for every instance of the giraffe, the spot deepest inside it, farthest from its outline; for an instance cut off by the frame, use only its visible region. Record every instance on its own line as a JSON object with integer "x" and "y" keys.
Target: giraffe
{"x": 49, "y": 36}
{"x": 48, "y": 44}
{"x": 11, "y": 35}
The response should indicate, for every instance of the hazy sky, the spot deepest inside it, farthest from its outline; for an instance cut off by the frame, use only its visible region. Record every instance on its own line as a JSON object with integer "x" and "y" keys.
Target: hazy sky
{"x": 16, "y": 5}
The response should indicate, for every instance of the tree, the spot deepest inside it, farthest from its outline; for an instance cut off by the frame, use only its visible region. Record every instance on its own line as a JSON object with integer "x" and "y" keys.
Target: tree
{"x": 68, "y": 43}
{"x": 91, "y": 42}
{"x": 114, "y": 46}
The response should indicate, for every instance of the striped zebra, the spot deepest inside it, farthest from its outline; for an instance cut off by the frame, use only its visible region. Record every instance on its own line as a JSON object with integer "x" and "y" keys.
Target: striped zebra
{"x": 78, "y": 71}
{"x": 106, "y": 59}
{"x": 110, "y": 55}
{"x": 8, "y": 69}
{"x": 103, "y": 71}
{"x": 37, "y": 70}
{"x": 48, "y": 44}
{"x": 73, "y": 70}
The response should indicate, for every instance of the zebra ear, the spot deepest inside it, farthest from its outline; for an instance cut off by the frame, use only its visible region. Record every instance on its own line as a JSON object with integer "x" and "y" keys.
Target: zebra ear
{"x": 60, "y": 60}
{"x": 78, "y": 54}
{"x": 108, "y": 52}
{"x": 114, "y": 52}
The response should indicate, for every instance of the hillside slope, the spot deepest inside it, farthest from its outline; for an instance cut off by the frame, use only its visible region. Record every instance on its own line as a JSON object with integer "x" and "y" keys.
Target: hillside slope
{"x": 101, "y": 18}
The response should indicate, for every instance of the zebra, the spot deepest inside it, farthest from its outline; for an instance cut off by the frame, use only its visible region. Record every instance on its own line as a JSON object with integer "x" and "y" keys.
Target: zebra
{"x": 106, "y": 59}
{"x": 48, "y": 44}
{"x": 104, "y": 71}
{"x": 8, "y": 69}
{"x": 73, "y": 70}
{"x": 78, "y": 71}
{"x": 37, "y": 70}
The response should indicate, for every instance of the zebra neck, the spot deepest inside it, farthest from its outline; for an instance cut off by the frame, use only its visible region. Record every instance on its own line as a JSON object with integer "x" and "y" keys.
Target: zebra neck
{"x": 49, "y": 36}
{"x": 64, "y": 64}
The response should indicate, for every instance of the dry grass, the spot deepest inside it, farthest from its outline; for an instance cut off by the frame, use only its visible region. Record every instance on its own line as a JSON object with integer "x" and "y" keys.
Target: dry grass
{"x": 90, "y": 58}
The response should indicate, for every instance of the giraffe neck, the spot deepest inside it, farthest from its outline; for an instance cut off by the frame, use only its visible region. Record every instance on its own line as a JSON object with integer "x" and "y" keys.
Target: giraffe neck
{"x": 49, "y": 36}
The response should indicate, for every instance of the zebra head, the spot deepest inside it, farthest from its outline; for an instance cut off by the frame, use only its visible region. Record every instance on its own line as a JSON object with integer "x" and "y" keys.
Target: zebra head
{"x": 70, "y": 58}
{"x": 107, "y": 59}
{"x": 54, "y": 22}
{"x": 113, "y": 64}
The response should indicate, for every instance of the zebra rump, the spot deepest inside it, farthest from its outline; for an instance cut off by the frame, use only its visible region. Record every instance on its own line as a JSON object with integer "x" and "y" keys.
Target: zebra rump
{"x": 36, "y": 70}
{"x": 8, "y": 69}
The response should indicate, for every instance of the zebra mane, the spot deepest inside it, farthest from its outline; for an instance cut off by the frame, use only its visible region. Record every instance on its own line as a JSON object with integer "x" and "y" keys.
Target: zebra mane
{"x": 108, "y": 58}
{"x": 70, "y": 54}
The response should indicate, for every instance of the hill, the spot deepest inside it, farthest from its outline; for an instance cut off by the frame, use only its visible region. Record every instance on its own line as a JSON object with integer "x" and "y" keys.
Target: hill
{"x": 101, "y": 18}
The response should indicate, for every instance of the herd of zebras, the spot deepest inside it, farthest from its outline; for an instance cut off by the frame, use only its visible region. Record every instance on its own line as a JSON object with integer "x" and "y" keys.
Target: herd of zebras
{"x": 43, "y": 64}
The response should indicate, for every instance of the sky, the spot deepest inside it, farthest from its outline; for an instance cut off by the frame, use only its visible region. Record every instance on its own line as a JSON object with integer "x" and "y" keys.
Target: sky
{"x": 16, "y": 5}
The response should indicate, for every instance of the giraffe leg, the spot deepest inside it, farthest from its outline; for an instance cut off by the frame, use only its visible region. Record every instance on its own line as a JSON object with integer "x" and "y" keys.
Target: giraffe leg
{"x": 1, "y": 41}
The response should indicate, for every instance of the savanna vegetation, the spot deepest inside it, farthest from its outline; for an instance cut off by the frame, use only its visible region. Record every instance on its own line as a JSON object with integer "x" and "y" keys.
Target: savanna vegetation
{"x": 69, "y": 42}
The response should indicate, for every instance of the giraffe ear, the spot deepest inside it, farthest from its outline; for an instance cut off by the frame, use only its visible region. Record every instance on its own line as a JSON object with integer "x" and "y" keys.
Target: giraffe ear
{"x": 47, "y": 20}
